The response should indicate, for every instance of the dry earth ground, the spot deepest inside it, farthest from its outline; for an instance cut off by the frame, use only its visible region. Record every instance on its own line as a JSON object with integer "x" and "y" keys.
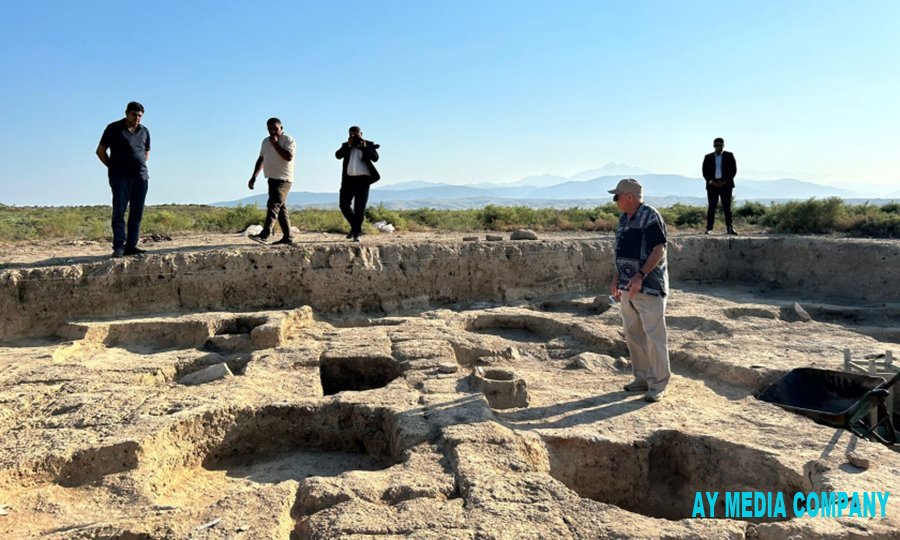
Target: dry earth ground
{"x": 358, "y": 427}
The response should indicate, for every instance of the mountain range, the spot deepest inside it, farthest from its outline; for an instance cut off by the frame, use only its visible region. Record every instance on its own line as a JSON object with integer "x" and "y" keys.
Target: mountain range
{"x": 586, "y": 189}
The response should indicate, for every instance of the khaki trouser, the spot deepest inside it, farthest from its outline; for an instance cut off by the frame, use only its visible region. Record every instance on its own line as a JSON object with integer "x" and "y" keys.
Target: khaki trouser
{"x": 644, "y": 321}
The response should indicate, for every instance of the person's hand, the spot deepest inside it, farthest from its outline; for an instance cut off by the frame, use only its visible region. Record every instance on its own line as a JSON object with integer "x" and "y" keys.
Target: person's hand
{"x": 251, "y": 182}
{"x": 273, "y": 138}
{"x": 634, "y": 286}
{"x": 615, "y": 292}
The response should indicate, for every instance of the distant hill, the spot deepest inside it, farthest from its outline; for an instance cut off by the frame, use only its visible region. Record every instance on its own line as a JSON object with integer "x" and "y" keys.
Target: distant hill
{"x": 410, "y": 185}
{"x": 790, "y": 188}
{"x": 610, "y": 169}
{"x": 659, "y": 189}
{"x": 540, "y": 180}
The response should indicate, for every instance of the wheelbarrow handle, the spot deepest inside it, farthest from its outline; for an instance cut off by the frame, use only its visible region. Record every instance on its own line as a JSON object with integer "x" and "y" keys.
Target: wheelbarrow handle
{"x": 893, "y": 380}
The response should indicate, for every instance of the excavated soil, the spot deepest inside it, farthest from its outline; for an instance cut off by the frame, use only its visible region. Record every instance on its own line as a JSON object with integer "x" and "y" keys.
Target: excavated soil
{"x": 374, "y": 419}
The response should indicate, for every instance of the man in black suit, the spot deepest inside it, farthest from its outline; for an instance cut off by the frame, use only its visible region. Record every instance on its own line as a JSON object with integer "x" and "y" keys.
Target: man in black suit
{"x": 358, "y": 174}
{"x": 719, "y": 170}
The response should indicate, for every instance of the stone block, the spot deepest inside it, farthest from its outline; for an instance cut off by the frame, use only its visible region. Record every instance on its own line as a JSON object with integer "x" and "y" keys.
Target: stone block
{"x": 207, "y": 374}
{"x": 523, "y": 234}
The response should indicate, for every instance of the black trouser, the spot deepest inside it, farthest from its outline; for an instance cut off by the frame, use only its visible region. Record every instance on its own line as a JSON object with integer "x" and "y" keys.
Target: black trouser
{"x": 276, "y": 207}
{"x": 127, "y": 191}
{"x": 355, "y": 189}
{"x": 712, "y": 196}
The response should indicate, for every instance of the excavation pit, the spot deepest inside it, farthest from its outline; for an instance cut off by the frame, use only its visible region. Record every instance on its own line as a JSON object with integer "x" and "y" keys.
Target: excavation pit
{"x": 659, "y": 476}
{"x": 269, "y": 445}
{"x": 295, "y": 465}
{"x": 356, "y": 374}
{"x": 514, "y": 327}
{"x": 238, "y": 325}
{"x": 281, "y": 443}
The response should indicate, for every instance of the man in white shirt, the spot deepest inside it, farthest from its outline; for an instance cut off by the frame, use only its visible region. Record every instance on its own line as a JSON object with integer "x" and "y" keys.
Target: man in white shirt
{"x": 358, "y": 174}
{"x": 276, "y": 158}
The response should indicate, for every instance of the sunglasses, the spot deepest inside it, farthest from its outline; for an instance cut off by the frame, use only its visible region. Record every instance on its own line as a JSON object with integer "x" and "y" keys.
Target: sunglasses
{"x": 617, "y": 196}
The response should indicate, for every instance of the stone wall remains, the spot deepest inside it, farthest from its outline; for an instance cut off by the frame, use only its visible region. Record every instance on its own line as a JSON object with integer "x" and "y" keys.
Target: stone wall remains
{"x": 397, "y": 277}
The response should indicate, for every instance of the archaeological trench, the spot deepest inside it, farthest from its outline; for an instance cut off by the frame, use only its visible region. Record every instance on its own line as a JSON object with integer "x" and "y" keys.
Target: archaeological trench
{"x": 428, "y": 388}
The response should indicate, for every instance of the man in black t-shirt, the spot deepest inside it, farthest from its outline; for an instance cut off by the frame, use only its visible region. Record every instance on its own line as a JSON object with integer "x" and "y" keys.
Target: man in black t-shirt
{"x": 124, "y": 148}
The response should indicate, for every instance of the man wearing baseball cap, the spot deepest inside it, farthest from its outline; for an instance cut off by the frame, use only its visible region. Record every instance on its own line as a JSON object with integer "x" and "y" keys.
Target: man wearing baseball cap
{"x": 641, "y": 284}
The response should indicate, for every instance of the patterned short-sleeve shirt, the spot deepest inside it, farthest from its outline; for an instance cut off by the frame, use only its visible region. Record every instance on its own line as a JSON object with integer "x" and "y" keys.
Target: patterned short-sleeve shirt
{"x": 635, "y": 239}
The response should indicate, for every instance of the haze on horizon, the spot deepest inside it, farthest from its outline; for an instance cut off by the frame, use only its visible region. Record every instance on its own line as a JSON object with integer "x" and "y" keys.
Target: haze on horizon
{"x": 465, "y": 92}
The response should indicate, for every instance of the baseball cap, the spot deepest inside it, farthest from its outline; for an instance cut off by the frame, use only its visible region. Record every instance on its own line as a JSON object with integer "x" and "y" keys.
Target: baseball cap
{"x": 628, "y": 185}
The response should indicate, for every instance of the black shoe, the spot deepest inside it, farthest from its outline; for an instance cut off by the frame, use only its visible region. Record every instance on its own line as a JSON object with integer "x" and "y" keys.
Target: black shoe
{"x": 117, "y": 253}
{"x": 349, "y": 235}
{"x": 732, "y": 232}
{"x": 258, "y": 238}
{"x": 285, "y": 241}
{"x": 636, "y": 386}
{"x": 708, "y": 232}
{"x": 134, "y": 251}
{"x": 356, "y": 238}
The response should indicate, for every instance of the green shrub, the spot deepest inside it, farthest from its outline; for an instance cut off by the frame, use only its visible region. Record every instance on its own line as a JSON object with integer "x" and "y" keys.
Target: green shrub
{"x": 236, "y": 219}
{"x": 891, "y": 208}
{"x": 685, "y": 216}
{"x": 808, "y": 217}
{"x": 319, "y": 220}
{"x": 750, "y": 211}
{"x": 374, "y": 214}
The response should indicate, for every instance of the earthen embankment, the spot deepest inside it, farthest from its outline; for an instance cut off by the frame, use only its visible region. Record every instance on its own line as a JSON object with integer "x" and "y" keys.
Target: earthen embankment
{"x": 397, "y": 275}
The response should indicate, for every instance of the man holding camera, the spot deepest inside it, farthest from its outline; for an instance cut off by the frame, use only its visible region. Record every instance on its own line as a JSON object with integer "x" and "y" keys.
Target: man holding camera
{"x": 276, "y": 156}
{"x": 357, "y": 175}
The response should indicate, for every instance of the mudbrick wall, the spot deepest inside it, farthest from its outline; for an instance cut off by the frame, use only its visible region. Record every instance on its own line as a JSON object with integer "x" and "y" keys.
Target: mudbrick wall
{"x": 395, "y": 277}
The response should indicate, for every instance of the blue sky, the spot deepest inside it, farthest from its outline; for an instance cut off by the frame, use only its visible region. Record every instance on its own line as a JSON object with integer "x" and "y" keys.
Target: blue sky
{"x": 457, "y": 92}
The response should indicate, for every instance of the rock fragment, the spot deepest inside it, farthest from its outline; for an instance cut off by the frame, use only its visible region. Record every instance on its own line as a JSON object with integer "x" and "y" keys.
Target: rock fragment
{"x": 601, "y": 303}
{"x": 208, "y": 525}
{"x": 858, "y": 461}
{"x": 523, "y": 234}
{"x": 448, "y": 367}
{"x": 493, "y": 238}
{"x": 801, "y": 312}
{"x": 594, "y": 362}
{"x": 470, "y": 238}
{"x": 207, "y": 374}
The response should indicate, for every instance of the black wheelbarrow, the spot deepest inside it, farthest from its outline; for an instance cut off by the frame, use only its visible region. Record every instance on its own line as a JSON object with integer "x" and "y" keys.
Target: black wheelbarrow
{"x": 836, "y": 399}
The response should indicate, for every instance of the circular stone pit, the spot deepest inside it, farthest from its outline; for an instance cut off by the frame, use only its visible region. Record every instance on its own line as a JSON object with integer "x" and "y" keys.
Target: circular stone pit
{"x": 502, "y": 387}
